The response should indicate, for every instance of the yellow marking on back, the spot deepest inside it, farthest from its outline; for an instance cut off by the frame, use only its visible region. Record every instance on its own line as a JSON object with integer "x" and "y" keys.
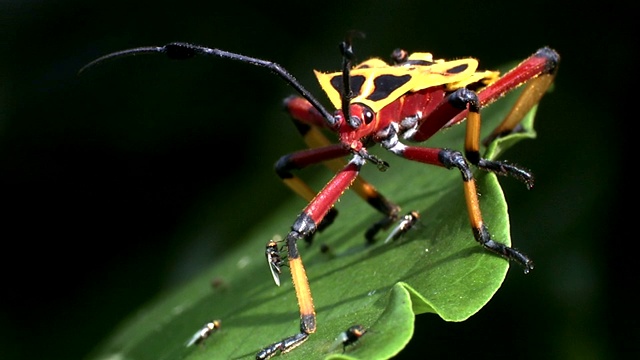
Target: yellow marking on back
{"x": 420, "y": 77}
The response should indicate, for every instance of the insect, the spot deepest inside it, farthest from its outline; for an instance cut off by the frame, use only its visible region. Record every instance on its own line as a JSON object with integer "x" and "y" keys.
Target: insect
{"x": 204, "y": 332}
{"x": 349, "y": 336}
{"x": 379, "y": 103}
{"x": 405, "y": 224}
{"x": 274, "y": 259}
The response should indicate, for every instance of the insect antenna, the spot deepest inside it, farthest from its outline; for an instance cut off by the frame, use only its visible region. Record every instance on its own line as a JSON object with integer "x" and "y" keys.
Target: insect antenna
{"x": 182, "y": 51}
{"x": 348, "y": 55}
{"x": 120, "y": 54}
{"x": 347, "y": 93}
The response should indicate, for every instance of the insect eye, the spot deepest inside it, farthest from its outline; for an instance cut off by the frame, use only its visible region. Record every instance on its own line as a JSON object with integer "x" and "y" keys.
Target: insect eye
{"x": 398, "y": 56}
{"x": 368, "y": 116}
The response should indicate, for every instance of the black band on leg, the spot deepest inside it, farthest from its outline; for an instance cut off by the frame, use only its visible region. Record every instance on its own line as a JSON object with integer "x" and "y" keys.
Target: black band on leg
{"x": 484, "y": 238}
{"x": 451, "y": 159}
{"x": 505, "y": 169}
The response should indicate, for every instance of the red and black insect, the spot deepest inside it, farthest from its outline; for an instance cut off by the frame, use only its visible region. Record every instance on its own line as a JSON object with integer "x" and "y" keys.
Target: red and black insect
{"x": 385, "y": 104}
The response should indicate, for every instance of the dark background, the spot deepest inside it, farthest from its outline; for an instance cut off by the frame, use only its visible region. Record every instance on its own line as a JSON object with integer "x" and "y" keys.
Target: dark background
{"x": 124, "y": 182}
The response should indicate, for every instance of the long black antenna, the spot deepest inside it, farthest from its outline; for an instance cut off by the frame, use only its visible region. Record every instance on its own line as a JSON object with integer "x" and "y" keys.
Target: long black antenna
{"x": 181, "y": 51}
{"x": 347, "y": 56}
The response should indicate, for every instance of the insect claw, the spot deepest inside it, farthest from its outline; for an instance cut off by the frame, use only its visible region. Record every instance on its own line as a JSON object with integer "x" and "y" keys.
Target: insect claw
{"x": 506, "y": 169}
{"x": 381, "y": 164}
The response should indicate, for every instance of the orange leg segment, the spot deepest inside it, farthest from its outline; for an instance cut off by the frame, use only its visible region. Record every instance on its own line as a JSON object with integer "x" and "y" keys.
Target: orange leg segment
{"x": 304, "y": 227}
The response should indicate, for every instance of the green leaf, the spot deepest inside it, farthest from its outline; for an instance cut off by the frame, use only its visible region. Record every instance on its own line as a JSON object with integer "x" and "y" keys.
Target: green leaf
{"x": 437, "y": 267}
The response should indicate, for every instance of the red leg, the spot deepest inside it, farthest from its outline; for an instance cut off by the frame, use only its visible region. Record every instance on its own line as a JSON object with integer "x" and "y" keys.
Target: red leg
{"x": 454, "y": 159}
{"x": 467, "y": 101}
{"x": 308, "y": 122}
{"x": 538, "y": 72}
{"x": 302, "y": 159}
{"x": 304, "y": 226}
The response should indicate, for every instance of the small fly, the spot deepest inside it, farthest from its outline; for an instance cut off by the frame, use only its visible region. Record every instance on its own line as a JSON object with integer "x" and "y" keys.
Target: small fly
{"x": 407, "y": 223}
{"x": 204, "y": 332}
{"x": 275, "y": 260}
{"x": 349, "y": 337}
